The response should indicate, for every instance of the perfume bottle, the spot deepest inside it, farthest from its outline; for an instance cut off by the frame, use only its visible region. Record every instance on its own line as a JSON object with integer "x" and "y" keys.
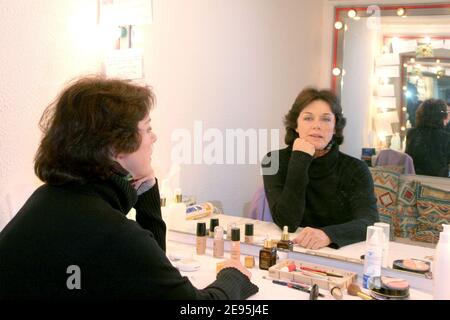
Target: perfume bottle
{"x": 285, "y": 243}
{"x": 267, "y": 255}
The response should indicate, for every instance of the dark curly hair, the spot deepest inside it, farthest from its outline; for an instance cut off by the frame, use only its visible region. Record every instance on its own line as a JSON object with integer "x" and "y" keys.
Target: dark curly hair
{"x": 307, "y": 96}
{"x": 431, "y": 114}
{"x": 92, "y": 119}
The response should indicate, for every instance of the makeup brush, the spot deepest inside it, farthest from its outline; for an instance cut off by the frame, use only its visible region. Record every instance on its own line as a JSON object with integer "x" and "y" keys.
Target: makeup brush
{"x": 354, "y": 290}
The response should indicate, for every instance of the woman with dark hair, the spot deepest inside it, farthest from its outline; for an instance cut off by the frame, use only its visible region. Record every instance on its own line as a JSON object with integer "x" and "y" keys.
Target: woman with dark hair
{"x": 71, "y": 239}
{"x": 428, "y": 143}
{"x": 316, "y": 186}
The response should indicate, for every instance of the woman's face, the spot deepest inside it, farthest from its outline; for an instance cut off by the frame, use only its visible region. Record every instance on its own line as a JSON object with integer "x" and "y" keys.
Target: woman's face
{"x": 138, "y": 163}
{"x": 316, "y": 124}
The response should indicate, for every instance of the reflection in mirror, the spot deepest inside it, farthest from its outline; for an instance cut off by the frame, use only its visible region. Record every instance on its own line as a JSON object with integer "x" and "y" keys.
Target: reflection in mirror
{"x": 377, "y": 50}
{"x": 367, "y": 75}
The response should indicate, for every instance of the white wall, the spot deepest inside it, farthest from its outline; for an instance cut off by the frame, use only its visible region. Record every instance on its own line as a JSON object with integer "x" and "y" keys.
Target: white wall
{"x": 232, "y": 64}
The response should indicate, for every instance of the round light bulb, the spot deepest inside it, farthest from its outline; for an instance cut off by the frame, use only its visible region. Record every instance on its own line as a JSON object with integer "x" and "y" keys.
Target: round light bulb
{"x": 405, "y": 65}
{"x": 400, "y": 11}
{"x": 404, "y": 88}
{"x": 403, "y": 128}
{"x": 404, "y": 109}
{"x": 351, "y": 13}
{"x": 412, "y": 60}
{"x": 438, "y": 61}
{"x": 336, "y": 71}
{"x": 338, "y": 25}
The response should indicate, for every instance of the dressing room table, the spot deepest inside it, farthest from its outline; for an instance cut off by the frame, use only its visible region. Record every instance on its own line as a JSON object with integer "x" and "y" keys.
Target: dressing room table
{"x": 181, "y": 238}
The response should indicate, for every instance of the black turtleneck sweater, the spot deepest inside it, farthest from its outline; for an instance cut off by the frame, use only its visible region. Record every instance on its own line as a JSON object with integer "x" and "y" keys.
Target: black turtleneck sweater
{"x": 85, "y": 225}
{"x": 333, "y": 193}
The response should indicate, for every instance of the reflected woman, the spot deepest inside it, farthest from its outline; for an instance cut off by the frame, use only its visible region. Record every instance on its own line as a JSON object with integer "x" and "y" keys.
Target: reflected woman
{"x": 317, "y": 187}
{"x": 428, "y": 143}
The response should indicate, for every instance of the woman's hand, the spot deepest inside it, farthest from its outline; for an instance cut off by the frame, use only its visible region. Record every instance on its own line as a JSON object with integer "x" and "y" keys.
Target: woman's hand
{"x": 230, "y": 263}
{"x": 312, "y": 238}
{"x": 301, "y": 144}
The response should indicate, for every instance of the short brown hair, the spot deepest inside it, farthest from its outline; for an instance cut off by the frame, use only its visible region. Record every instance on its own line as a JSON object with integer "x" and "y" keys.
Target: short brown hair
{"x": 305, "y": 97}
{"x": 92, "y": 119}
{"x": 431, "y": 114}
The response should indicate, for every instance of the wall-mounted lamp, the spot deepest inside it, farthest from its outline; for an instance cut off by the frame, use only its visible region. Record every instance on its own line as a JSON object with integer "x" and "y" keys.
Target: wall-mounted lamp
{"x": 338, "y": 25}
{"x": 336, "y": 71}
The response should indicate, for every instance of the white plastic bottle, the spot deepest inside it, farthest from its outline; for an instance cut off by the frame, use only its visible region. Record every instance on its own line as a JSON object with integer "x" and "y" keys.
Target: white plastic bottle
{"x": 374, "y": 255}
{"x": 441, "y": 266}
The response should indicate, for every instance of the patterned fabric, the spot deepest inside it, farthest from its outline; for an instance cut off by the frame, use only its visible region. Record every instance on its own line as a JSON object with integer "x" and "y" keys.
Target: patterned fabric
{"x": 405, "y": 220}
{"x": 398, "y": 169}
{"x": 434, "y": 210}
{"x": 386, "y": 184}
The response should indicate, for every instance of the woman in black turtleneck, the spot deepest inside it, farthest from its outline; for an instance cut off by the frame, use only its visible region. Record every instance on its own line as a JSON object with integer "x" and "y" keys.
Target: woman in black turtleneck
{"x": 312, "y": 184}
{"x": 71, "y": 239}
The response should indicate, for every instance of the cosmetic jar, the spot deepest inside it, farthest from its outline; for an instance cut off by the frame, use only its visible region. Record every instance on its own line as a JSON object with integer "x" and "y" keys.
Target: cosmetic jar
{"x": 412, "y": 265}
{"x": 388, "y": 288}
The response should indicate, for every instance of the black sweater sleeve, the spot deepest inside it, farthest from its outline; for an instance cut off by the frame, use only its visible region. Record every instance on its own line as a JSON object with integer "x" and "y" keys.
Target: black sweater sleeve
{"x": 286, "y": 190}
{"x": 362, "y": 206}
{"x": 147, "y": 273}
{"x": 148, "y": 215}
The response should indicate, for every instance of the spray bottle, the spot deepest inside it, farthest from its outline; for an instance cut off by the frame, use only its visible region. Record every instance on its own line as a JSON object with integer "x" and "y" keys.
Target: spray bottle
{"x": 374, "y": 255}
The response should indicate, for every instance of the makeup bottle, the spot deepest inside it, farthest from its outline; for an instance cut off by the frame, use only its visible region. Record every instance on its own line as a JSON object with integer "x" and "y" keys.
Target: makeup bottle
{"x": 267, "y": 255}
{"x": 213, "y": 222}
{"x": 249, "y": 233}
{"x": 235, "y": 251}
{"x": 218, "y": 242}
{"x": 285, "y": 243}
{"x": 386, "y": 237}
{"x": 441, "y": 266}
{"x": 374, "y": 255}
{"x": 201, "y": 238}
{"x": 229, "y": 227}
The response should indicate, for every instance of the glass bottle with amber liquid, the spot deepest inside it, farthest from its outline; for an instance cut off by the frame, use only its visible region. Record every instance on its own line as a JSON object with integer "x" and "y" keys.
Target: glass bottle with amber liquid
{"x": 285, "y": 243}
{"x": 267, "y": 255}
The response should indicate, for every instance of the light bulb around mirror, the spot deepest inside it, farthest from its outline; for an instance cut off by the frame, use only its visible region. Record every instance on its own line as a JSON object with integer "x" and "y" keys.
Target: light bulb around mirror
{"x": 351, "y": 13}
{"x": 336, "y": 71}
{"x": 401, "y": 12}
{"x": 338, "y": 25}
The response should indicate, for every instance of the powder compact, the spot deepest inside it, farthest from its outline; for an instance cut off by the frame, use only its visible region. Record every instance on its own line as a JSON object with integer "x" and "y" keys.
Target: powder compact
{"x": 412, "y": 265}
{"x": 388, "y": 288}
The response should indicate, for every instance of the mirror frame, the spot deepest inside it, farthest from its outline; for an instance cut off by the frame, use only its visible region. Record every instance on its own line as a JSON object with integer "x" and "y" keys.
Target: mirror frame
{"x": 368, "y": 11}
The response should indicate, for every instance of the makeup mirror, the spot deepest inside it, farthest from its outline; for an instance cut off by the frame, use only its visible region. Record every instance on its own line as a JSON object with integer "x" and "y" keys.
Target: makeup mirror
{"x": 357, "y": 52}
